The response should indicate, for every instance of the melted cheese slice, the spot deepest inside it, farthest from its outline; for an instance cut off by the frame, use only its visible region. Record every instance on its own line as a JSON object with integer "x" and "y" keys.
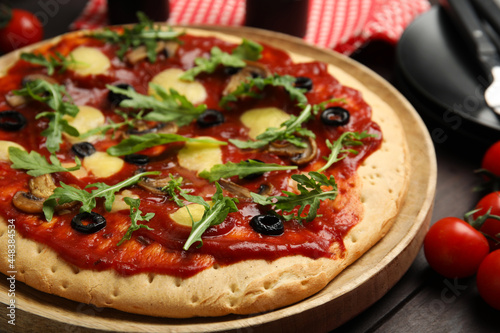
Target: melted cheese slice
{"x": 198, "y": 156}
{"x": 258, "y": 120}
{"x": 102, "y": 165}
{"x": 4, "y": 149}
{"x": 80, "y": 173}
{"x": 89, "y": 61}
{"x": 119, "y": 203}
{"x": 169, "y": 78}
{"x": 181, "y": 216}
{"x": 87, "y": 118}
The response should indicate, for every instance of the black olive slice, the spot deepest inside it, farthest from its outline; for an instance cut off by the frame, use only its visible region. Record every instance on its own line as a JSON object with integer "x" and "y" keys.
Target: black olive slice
{"x": 88, "y": 223}
{"x": 229, "y": 70}
{"x": 269, "y": 225}
{"x": 303, "y": 82}
{"x": 210, "y": 117}
{"x": 116, "y": 98}
{"x": 335, "y": 116}
{"x": 83, "y": 149}
{"x": 11, "y": 120}
{"x": 137, "y": 159}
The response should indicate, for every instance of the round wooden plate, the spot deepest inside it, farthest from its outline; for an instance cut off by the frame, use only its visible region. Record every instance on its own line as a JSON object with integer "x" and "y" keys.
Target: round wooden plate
{"x": 354, "y": 290}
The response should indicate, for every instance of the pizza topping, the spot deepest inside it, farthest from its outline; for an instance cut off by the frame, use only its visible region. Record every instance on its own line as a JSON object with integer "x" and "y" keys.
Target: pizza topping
{"x": 67, "y": 193}
{"x": 170, "y": 79}
{"x": 136, "y": 143}
{"x": 27, "y": 202}
{"x": 335, "y": 116}
{"x": 88, "y": 61}
{"x": 251, "y": 70}
{"x": 247, "y": 50}
{"x": 144, "y": 33}
{"x": 5, "y": 149}
{"x": 269, "y": 225}
{"x": 141, "y": 127}
{"x": 102, "y": 165}
{"x": 53, "y": 95}
{"x": 242, "y": 169}
{"x": 214, "y": 214}
{"x": 12, "y": 120}
{"x": 165, "y": 106}
{"x": 311, "y": 193}
{"x": 237, "y": 191}
{"x": 298, "y": 155}
{"x": 286, "y": 132}
{"x": 339, "y": 146}
{"x": 83, "y": 149}
{"x": 135, "y": 216}
{"x": 57, "y": 60}
{"x": 137, "y": 159}
{"x": 156, "y": 185}
{"x": 304, "y": 82}
{"x": 209, "y": 118}
{"x": 88, "y": 222}
{"x": 88, "y": 118}
{"x": 199, "y": 155}
{"x": 35, "y": 164}
{"x": 115, "y": 98}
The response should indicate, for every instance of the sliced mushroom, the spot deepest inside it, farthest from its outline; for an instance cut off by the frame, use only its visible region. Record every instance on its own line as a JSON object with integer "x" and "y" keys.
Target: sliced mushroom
{"x": 42, "y": 186}
{"x": 298, "y": 155}
{"x": 16, "y": 100}
{"x": 141, "y": 53}
{"x": 236, "y": 190}
{"x": 252, "y": 69}
{"x": 142, "y": 127}
{"x": 27, "y": 202}
{"x": 265, "y": 189}
{"x": 154, "y": 185}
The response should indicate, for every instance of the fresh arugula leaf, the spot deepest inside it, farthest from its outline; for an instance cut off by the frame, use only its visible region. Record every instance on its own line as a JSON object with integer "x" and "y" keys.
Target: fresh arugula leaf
{"x": 173, "y": 187}
{"x": 53, "y": 95}
{"x": 135, "y": 143}
{"x": 287, "y": 132}
{"x": 164, "y": 106}
{"x": 51, "y": 63}
{"x": 135, "y": 216}
{"x": 37, "y": 164}
{"x": 316, "y": 108}
{"x": 241, "y": 169}
{"x": 145, "y": 32}
{"x": 247, "y": 50}
{"x": 339, "y": 146}
{"x": 311, "y": 194}
{"x": 67, "y": 193}
{"x": 252, "y": 86}
{"x": 214, "y": 215}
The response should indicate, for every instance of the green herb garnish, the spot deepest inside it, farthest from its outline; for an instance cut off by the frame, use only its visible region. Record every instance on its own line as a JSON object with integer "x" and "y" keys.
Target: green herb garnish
{"x": 135, "y": 216}
{"x": 67, "y": 193}
{"x": 135, "y": 143}
{"x": 287, "y": 131}
{"x": 37, "y": 164}
{"x": 143, "y": 33}
{"x": 247, "y": 50}
{"x": 311, "y": 194}
{"x": 51, "y": 63}
{"x": 173, "y": 189}
{"x": 241, "y": 169}
{"x": 253, "y": 86}
{"x": 164, "y": 106}
{"x": 213, "y": 215}
{"x": 339, "y": 146}
{"x": 129, "y": 122}
{"x": 53, "y": 95}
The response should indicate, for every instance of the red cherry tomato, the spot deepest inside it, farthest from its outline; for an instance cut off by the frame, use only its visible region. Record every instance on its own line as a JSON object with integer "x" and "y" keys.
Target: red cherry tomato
{"x": 454, "y": 249}
{"x": 491, "y": 159}
{"x": 23, "y": 28}
{"x": 491, "y": 227}
{"x": 488, "y": 279}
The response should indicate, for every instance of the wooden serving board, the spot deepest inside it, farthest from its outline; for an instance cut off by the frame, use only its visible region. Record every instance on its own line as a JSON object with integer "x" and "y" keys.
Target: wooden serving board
{"x": 354, "y": 290}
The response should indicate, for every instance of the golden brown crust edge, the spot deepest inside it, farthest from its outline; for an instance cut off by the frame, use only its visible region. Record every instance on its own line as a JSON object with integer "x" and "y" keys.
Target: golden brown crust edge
{"x": 246, "y": 287}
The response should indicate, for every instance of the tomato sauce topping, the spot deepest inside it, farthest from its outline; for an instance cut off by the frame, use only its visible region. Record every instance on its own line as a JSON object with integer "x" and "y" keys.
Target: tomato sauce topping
{"x": 159, "y": 250}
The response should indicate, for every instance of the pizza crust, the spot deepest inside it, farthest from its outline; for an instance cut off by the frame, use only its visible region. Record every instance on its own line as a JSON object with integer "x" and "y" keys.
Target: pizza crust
{"x": 246, "y": 287}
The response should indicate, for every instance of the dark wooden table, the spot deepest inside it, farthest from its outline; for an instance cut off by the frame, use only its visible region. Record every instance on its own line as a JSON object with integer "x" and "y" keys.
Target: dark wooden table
{"x": 422, "y": 301}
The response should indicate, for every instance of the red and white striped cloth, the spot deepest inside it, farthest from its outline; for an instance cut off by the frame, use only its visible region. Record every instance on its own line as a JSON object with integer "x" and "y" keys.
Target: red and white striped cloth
{"x": 342, "y": 25}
